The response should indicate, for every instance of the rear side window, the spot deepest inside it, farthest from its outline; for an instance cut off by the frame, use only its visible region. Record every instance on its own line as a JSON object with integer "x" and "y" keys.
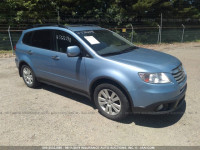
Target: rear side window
{"x": 27, "y": 38}
{"x": 42, "y": 39}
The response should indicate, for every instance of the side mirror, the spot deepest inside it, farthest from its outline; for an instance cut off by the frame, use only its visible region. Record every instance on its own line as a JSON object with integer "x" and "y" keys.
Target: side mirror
{"x": 73, "y": 51}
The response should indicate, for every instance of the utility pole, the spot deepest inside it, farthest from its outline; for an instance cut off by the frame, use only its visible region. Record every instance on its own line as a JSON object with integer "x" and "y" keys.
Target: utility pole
{"x": 160, "y": 26}
{"x": 158, "y": 41}
{"x": 10, "y": 39}
{"x": 183, "y": 32}
{"x": 58, "y": 13}
{"x": 132, "y": 34}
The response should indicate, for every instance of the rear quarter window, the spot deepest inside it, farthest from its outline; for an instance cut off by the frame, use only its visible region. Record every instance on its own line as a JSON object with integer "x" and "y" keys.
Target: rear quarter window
{"x": 27, "y": 38}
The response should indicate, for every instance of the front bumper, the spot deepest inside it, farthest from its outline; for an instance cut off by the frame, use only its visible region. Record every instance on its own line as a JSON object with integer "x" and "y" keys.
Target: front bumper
{"x": 168, "y": 105}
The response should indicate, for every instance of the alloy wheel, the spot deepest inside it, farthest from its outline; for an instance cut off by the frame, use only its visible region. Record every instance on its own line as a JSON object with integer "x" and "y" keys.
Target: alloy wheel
{"x": 109, "y": 101}
{"x": 28, "y": 77}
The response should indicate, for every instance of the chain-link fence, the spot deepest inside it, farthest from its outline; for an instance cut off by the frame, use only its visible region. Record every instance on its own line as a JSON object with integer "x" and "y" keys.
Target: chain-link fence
{"x": 143, "y": 35}
{"x": 5, "y": 43}
{"x": 148, "y": 35}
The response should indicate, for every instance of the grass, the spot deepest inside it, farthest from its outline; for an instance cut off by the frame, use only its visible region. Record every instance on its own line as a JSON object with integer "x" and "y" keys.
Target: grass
{"x": 197, "y": 40}
{"x": 139, "y": 43}
{"x": 5, "y": 51}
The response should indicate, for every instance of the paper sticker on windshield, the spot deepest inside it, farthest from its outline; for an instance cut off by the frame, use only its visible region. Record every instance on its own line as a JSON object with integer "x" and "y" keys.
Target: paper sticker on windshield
{"x": 92, "y": 40}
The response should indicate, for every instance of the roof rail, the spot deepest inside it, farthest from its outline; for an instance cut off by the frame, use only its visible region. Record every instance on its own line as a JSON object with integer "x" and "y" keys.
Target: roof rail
{"x": 75, "y": 25}
{"x": 44, "y": 25}
{"x": 59, "y": 25}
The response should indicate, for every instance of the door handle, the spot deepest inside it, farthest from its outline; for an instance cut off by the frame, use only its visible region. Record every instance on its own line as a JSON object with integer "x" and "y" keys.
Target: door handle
{"x": 55, "y": 57}
{"x": 30, "y": 52}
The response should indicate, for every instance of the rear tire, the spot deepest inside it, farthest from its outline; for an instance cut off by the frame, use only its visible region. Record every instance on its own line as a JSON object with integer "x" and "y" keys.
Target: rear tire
{"x": 29, "y": 76}
{"x": 111, "y": 101}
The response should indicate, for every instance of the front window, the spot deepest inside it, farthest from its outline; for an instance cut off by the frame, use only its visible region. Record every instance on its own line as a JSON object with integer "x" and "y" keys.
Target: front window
{"x": 64, "y": 40}
{"x": 105, "y": 42}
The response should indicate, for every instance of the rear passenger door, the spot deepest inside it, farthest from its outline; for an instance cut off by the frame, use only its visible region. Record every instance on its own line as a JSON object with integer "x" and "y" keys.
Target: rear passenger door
{"x": 68, "y": 71}
{"x": 41, "y": 52}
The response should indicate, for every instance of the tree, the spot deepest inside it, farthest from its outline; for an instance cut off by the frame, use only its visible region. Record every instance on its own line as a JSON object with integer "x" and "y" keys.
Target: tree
{"x": 111, "y": 11}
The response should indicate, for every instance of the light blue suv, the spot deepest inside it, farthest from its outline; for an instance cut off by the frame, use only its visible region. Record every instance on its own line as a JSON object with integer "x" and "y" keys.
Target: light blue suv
{"x": 118, "y": 76}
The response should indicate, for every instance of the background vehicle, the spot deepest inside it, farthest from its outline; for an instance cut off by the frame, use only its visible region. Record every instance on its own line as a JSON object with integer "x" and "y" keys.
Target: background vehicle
{"x": 102, "y": 65}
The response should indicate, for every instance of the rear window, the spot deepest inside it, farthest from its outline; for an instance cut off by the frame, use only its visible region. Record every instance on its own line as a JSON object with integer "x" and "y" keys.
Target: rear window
{"x": 39, "y": 38}
{"x": 42, "y": 39}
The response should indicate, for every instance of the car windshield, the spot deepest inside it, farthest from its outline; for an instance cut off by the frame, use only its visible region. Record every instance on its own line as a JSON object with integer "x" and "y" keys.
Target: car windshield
{"x": 105, "y": 42}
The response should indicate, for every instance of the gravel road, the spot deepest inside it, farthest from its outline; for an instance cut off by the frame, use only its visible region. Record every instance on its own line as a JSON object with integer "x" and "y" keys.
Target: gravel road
{"x": 51, "y": 116}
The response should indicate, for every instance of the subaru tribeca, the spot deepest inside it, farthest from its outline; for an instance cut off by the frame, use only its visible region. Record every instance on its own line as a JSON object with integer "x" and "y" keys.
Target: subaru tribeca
{"x": 118, "y": 76}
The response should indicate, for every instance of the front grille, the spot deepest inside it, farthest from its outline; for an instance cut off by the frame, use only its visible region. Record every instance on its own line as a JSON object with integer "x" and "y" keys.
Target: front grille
{"x": 178, "y": 74}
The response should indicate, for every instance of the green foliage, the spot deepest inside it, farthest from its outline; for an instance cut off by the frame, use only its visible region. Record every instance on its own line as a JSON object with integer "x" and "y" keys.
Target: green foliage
{"x": 117, "y": 11}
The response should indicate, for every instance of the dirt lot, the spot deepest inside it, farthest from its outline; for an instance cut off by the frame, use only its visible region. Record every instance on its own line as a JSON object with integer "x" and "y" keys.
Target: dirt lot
{"x": 50, "y": 116}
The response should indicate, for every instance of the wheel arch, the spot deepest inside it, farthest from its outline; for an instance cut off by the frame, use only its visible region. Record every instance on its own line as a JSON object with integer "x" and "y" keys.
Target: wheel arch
{"x": 112, "y": 81}
{"x": 20, "y": 66}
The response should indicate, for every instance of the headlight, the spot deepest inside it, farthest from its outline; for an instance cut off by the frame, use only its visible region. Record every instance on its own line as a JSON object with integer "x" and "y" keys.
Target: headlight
{"x": 154, "y": 77}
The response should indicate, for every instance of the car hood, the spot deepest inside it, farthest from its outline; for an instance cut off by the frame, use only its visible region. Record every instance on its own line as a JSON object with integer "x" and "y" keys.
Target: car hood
{"x": 148, "y": 60}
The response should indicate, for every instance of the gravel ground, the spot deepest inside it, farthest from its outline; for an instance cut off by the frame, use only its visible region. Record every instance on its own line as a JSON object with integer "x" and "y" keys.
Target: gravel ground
{"x": 51, "y": 116}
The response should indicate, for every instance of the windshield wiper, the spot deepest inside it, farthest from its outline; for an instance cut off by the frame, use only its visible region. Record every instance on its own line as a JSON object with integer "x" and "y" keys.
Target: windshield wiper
{"x": 129, "y": 49}
{"x": 120, "y": 52}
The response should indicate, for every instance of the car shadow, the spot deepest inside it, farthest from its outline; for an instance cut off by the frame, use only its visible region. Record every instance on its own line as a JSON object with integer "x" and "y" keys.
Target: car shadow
{"x": 156, "y": 121}
{"x": 79, "y": 98}
{"x": 147, "y": 120}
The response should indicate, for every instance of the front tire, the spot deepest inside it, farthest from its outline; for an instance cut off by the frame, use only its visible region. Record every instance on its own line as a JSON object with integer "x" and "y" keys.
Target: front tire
{"x": 28, "y": 76}
{"x": 111, "y": 101}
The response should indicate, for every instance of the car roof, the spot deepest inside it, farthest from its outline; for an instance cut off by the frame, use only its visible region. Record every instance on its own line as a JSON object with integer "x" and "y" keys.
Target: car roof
{"x": 83, "y": 27}
{"x": 73, "y": 28}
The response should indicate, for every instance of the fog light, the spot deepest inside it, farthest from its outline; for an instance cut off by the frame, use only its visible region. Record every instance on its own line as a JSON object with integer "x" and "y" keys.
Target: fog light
{"x": 160, "y": 107}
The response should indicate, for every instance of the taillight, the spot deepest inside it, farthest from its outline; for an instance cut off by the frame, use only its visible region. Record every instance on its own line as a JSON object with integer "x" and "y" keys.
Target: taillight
{"x": 14, "y": 47}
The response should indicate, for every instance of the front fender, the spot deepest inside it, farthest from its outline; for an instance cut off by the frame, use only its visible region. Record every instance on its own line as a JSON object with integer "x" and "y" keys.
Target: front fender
{"x": 109, "y": 74}
{"x": 101, "y": 68}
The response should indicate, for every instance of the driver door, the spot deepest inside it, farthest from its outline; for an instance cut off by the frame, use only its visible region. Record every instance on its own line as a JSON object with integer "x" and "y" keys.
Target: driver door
{"x": 68, "y": 71}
